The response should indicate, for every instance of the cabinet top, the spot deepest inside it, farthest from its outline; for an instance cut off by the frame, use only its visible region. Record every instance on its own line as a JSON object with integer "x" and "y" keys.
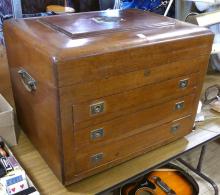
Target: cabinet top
{"x": 105, "y": 22}
{"x": 85, "y": 34}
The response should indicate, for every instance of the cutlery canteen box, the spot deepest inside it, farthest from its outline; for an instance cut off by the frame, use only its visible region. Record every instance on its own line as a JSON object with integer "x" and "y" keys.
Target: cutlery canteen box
{"x": 96, "y": 89}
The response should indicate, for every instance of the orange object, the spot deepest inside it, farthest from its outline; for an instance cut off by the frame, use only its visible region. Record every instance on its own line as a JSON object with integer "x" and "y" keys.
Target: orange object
{"x": 170, "y": 179}
{"x": 60, "y": 9}
{"x": 162, "y": 182}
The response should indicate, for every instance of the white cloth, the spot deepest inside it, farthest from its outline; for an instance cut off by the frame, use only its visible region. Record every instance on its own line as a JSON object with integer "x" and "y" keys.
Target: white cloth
{"x": 208, "y": 7}
{"x": 201, "y": 6}
{"x": 215, "y": 58}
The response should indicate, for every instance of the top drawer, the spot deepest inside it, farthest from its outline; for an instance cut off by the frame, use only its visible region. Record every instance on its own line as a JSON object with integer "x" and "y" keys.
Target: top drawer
{"x": 91, "y": 68}
{"x": 78, "y": 93}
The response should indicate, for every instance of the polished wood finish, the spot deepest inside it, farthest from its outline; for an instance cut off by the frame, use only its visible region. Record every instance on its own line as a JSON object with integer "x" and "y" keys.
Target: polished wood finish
{"x": 131, "y": 60}
{"x": 40, "y": 105}
{"x": 154, "y": 59}
{"x": 135, "y": 99}
{"x": 136, "y": 122}
{"x": 48, "y": 184}
{"x": 141, "y": 142}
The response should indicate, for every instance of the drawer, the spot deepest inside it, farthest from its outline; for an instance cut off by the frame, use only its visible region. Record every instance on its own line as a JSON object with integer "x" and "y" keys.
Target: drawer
{"x": 110, "y": 64}
{"x": 111, "y": 154}
{"x": 133, "y": 123}
{"x": 117, "y": 84}
{"x": 85, "y": 114}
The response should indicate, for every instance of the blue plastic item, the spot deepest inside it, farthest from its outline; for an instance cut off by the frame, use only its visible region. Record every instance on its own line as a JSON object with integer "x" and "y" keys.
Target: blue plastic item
{"x": 140, "y": 4}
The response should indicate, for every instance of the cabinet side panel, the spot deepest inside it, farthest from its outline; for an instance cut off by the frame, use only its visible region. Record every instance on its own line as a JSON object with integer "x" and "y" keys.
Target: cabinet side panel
{"x": 37, "y": 111}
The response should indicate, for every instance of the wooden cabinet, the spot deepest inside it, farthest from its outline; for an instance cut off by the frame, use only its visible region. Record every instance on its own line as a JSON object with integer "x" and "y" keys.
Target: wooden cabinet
{"x": 93, "y": 90}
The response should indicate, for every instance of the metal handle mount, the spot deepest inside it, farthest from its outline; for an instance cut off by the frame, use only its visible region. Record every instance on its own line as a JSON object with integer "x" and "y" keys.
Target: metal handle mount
{"x": 29, "y": 83}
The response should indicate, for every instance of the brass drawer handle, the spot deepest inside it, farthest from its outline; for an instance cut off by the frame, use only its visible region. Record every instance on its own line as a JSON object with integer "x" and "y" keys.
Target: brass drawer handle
{"x": 183, "y": 83}
{"x": 29, "y": 83}
{"x": 97, "y": 108}
{"x": 174, "y": 128}
{"x": 97, "y": 158}
{"x": 179, "y": 105}
{"x": 97, "y": 134}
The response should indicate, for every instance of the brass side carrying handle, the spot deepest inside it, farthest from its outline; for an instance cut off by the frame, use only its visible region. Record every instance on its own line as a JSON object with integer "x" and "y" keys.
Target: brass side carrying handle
{"x": 29, "y": 83}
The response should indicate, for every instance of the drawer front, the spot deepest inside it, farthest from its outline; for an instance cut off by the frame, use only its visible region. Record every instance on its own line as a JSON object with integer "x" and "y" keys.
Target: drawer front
{"x": 117, "y": 84}
{"x": 110, "y": 154}
{"x": 94, "y": 112}
{"x": 97, "y": 67}
{"x": 133, "y": 123}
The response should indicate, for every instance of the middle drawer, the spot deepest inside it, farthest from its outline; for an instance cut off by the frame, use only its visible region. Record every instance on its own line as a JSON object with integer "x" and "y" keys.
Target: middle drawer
{"x": 136, "y": 122}
{"x": 87, "y": 114}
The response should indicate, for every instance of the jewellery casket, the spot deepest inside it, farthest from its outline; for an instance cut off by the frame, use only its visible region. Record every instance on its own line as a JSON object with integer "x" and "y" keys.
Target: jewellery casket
{"x": 93, "y": 90}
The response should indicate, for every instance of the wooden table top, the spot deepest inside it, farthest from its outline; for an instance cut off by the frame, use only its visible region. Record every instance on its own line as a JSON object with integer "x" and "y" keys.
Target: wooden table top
{"x": 48, "y": 184}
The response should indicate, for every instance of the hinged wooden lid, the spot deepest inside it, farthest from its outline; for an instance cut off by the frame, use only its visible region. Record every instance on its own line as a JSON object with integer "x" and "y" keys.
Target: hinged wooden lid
{"x": 71, "y": 36}
{"x": 96, "y": 23}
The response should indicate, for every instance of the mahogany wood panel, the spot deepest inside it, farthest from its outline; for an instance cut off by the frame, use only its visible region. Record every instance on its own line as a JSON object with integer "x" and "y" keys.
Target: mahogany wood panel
{"x": 36, "y": 111}
{"x": 142, "y": 141}
{"x": 118, "y": 61}
{"x": 130, "y": 124}
{"x": 111, "y": 22}
{"x": 44, "y": 178}
{"x": 108, "y": 65}
{"x": 116, "y": 84}
{"x": 139, "y": 98}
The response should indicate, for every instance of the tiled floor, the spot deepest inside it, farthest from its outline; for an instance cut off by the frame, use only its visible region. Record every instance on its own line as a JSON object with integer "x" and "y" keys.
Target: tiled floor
{"x": 211, "y": 166}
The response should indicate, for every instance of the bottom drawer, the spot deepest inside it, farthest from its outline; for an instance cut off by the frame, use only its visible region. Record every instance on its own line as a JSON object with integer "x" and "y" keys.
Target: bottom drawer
{"x": 107, "y": 155}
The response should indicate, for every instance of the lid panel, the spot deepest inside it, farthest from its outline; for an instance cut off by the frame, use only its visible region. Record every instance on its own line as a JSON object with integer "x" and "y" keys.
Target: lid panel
{"x": 96, "y": 23}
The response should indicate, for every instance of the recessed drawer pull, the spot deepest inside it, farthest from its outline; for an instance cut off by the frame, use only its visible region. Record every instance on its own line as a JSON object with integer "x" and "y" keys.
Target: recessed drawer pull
{"x": 96, "y": 134}
{"x": 175, "y": 128}
{"x": 183, "y": 83}
{"x": 97, "y": 108}
{"x": 179, "y": 105}
{"x": 97, "y": 158}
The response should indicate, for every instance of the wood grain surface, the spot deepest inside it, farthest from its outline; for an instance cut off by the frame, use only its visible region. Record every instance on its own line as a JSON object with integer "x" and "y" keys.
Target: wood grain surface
{"x": 48, "y": 184}
{"x": 75, "y": 64}
{"x": 135, "y": 99}
{"x": 148, "y": 118}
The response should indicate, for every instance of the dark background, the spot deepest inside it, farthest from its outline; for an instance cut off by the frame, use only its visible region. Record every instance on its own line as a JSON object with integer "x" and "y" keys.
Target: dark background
{"x": 36, "y": 6}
